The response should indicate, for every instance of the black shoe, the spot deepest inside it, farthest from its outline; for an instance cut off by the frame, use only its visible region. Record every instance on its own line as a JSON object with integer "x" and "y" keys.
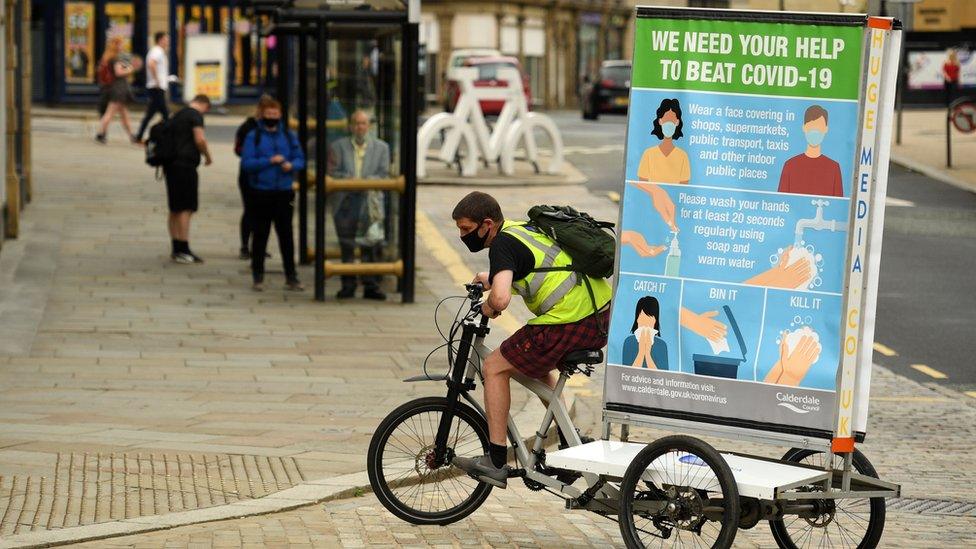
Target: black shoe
{"x": 294, "y": 285}
{"x": 245, "y": 254}
{"x": 100, "y": 138}
{"x": 346, "y": 293}
{"x": 481, "y": 468}
{"x": 181, "y": 258}
{"x": 196, "y": 258}
{"x": 374, "y": 294}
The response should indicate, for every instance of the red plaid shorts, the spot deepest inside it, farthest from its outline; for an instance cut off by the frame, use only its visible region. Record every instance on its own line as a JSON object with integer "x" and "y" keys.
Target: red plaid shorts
{"x": 536, "y": 350}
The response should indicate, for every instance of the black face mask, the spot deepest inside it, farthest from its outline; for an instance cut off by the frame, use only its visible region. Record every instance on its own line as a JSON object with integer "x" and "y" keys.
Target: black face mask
{"x": 271, "y": 123}
{"x": 473, "y": 241}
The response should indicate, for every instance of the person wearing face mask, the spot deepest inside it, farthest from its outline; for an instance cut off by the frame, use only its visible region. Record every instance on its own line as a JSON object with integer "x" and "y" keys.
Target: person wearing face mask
{"x": 359, "y": 215}
{"x": 565, "y": 319}
{"x": 812, "y": 172}
{"x": 270, "y": 158}
{"x": 665, "y": 162}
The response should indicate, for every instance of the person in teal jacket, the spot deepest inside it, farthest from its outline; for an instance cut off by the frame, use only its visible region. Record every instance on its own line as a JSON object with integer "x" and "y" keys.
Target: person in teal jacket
{"x": 270, "y": 159}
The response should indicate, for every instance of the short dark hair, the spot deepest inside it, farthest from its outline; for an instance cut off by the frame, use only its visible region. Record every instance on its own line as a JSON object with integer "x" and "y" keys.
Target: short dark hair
{"x": 478, "y": 206}
{"x": 201, "y": 98}
{"x": 814, "y": 112}
{"x": 158, "y": 36}
{"x": 668, "y": 105}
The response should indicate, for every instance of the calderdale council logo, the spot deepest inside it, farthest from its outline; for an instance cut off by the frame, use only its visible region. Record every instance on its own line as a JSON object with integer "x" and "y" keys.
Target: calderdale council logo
{"x": 801, "y": 404}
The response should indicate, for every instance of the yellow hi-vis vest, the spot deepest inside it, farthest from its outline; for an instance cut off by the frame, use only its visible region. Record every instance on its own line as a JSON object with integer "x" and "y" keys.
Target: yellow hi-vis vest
{"x": 554, "y": 297}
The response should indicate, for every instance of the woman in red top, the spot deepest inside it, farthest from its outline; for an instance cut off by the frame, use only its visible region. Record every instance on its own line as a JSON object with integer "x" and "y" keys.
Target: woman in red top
{"x": 950, "y": 76}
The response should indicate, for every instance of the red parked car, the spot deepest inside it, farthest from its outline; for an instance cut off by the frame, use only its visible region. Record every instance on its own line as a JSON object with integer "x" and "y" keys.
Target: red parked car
{"x": 487, "y": 77}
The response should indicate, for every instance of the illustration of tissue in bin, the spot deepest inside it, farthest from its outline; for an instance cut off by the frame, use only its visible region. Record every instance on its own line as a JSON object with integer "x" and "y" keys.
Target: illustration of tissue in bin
{"x": 722, "y": 366}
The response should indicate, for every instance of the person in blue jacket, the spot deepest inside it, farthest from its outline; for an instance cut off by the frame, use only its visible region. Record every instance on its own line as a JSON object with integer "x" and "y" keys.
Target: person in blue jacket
{"x": 270, "y": 159}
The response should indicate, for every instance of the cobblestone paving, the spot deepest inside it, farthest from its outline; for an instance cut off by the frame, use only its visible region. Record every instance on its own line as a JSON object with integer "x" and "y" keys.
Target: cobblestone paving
{"x": 93, "y": 488}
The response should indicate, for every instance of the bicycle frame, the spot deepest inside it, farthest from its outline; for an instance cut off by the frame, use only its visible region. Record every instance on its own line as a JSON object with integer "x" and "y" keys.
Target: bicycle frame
{"x": 461, "y": 381}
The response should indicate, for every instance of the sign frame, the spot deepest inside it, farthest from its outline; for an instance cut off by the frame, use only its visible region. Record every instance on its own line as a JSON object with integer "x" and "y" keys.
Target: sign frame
{"x": 865, "y": 300}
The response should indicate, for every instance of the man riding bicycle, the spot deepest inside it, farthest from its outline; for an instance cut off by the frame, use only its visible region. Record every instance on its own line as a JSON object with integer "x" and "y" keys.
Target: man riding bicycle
{"x": 568, "y": 318}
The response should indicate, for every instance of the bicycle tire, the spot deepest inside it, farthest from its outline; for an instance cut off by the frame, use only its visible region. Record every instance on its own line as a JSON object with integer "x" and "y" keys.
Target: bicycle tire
{"x": 381, "y": 439}
{"x": 876, "y": 506}
{"x": 710, "y": 458}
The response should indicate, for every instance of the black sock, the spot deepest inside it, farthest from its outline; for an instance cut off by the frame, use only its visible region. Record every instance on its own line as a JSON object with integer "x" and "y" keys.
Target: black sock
{"x": 498, "y": 454}
{"x": 182, "y": 247}
{"x": 176, "y": 247}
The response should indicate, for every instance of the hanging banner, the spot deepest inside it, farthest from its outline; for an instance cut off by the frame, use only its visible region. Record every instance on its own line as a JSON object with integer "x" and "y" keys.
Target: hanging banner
{"x": 121, "y": 20}
{"x": 742, "y": 150}
{"x": 79, "y": 42}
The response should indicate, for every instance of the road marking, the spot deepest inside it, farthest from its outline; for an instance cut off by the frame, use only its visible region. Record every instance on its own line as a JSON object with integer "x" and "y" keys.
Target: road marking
{"x": 971, "y": 394}
{"x": 580, "y": 149}
{"x": 454, "y": 265}
{"x": 909, "y": 399}
{"x": 929, "y": 371}
{"x": 614, "y": 196}
{"x": 898, "y": 202}
{"x": 884, "y": 349}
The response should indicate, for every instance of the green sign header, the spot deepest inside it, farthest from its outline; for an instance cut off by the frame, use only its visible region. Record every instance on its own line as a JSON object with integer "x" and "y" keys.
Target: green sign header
{"x": 754, "y": 58}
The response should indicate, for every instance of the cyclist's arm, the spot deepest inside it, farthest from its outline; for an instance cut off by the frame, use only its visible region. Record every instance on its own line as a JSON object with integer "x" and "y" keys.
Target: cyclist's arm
{"x": 501, "y": 291}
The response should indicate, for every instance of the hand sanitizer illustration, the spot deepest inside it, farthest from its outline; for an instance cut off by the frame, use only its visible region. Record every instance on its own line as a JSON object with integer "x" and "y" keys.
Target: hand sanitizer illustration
{"x": 673, "y": 261}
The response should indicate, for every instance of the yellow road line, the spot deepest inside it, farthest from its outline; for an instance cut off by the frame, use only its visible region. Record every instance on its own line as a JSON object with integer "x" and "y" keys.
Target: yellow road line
{"x": 971, "y": 394}
{"x": 614, "y": 196}
{"x": 455, "y": 266}
{"x": 884, "y": 349}
{"x": 929, "y": 371}
{"x": 909, "y": 399}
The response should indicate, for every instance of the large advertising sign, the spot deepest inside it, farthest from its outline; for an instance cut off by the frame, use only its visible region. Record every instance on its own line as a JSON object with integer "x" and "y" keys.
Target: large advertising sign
{"x": 205, "y": 67}
{"x": 925, "y": 69}
{"x": 79, "y": 42}
{"x": 742, "y": 187}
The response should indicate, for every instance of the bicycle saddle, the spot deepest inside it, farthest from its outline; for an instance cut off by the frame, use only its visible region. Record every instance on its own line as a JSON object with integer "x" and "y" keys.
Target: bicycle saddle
{"x": 586, "y": 356}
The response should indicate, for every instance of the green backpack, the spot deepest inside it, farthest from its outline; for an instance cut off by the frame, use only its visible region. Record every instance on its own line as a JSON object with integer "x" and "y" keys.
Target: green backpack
{"x": 585, "y": 239}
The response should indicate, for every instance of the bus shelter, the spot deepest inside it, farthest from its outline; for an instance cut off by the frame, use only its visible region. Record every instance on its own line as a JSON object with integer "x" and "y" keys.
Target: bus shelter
{"x": 340, "y": 59}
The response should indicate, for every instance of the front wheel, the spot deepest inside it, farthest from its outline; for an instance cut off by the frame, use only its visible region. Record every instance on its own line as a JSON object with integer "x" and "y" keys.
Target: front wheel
{"x": 838, "y": 523}
{"x": 409, "y": 479}
{"x": 679, "y": 491}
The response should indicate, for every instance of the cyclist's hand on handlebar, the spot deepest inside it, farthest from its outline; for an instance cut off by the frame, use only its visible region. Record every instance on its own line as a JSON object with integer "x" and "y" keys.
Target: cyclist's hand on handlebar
{"x": 483, "y": 279}
{"x": 489, "y": 312}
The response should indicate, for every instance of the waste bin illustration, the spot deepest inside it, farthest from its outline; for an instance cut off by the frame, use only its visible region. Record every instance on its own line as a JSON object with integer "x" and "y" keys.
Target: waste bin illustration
{"x": 722, "y": 366}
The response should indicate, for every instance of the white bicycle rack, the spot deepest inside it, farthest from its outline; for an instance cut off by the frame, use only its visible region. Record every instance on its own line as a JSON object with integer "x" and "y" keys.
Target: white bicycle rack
{"x": 466, "y": 129}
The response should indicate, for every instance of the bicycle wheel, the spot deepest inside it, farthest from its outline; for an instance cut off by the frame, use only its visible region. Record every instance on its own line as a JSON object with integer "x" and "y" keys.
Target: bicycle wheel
{"x": 678, "y": 491}
{"x": 403, "y": 470}
{"x": 840, "y": 523}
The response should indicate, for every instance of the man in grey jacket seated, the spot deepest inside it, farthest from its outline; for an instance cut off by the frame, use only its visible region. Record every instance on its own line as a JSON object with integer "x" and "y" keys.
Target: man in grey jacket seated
{"x": 359, "y": 215}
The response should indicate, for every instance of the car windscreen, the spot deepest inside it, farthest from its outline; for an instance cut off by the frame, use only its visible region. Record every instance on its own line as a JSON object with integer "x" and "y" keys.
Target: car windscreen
{"x": 489, "y": 71}
{"x": 618, "y": 75}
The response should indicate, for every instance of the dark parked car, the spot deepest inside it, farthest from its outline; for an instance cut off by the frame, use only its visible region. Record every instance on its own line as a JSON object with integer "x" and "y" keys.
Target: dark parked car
{"x": 609, "y": 92}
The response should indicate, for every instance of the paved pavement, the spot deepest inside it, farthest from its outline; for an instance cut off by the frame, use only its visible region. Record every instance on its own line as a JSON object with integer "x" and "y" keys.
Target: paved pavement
{"x": 108, "y": 349}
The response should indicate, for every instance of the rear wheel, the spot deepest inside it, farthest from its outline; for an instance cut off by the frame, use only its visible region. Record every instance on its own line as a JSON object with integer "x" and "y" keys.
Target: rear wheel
{"x": 406, "y": 475}
{"x": 679, "y": 492}
{"x": 838, "y": 523}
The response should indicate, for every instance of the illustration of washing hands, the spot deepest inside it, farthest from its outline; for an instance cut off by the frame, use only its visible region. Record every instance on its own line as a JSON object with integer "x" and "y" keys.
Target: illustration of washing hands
{"x": 798, "y": 350}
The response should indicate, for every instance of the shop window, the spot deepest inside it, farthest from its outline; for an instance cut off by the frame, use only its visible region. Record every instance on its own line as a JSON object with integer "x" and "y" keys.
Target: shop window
{"x": 79, "y": 42}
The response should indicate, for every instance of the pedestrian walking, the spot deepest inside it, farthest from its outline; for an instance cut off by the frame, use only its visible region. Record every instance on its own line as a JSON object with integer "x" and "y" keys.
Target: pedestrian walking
{"x": 182, "y": 180}
{"x": 359, "y": 215}
{"x": 114, "y": 70}
{"x": 270, "y": 158}
{"x": 157, "y": 81}
{"x": 950, "y": 76}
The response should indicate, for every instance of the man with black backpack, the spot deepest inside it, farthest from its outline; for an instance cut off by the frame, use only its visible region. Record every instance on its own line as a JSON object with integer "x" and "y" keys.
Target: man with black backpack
{"x": 571, "y": 306}
{"x": 182, "y": 134}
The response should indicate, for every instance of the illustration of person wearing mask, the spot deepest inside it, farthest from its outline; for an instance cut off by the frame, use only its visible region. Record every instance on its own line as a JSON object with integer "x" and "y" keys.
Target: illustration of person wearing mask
{"x": 665, "y": 163}
{"x": 812, "y": 172}
{"x": 644, "y": 348}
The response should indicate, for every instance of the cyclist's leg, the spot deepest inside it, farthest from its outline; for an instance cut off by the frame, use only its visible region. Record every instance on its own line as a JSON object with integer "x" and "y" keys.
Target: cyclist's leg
{"x": 498, "y": 372}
